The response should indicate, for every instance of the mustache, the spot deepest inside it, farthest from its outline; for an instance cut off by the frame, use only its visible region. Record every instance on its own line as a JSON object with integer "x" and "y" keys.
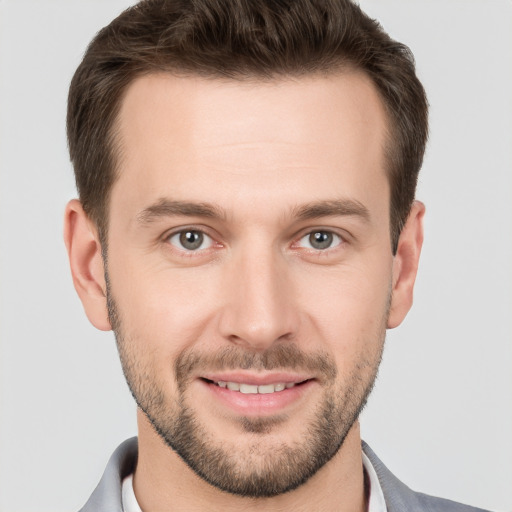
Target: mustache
{"x": 280, "y": 356}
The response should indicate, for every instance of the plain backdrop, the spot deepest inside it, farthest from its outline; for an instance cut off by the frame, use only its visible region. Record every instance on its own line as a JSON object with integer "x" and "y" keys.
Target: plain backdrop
{"x": 441, "y": 414}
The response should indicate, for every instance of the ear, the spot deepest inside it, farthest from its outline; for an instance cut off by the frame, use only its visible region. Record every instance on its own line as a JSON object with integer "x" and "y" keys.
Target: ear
{"x": 84, "y": 252}
{"x": 405, "y": 265}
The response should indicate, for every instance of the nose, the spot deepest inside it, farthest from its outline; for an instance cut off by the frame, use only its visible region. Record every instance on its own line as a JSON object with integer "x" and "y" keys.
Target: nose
{"x": 259, "y": 307}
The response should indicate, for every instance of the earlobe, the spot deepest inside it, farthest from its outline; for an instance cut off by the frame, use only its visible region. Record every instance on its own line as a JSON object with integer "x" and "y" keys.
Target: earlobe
{"x": 86, "y": 262}
{"x": 405, "y": 265}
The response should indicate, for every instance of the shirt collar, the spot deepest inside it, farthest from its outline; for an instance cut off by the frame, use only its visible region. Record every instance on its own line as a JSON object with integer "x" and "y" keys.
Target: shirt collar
{"x": 376, "y": 502}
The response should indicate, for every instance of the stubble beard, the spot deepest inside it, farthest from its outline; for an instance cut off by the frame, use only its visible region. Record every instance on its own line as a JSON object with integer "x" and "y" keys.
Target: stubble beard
{"x": 259, "y": 469}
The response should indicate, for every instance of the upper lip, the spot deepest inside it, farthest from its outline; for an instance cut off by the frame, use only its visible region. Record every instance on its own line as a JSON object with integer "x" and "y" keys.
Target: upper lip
{"x": 256, "y": 379}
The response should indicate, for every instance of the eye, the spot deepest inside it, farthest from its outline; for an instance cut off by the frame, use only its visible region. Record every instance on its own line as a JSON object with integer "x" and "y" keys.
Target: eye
{"x": 320, "y": 240}
{"x": 190, "y": 240}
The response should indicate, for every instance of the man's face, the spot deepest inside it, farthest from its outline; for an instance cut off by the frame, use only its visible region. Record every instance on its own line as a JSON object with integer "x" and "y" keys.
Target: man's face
{"x": 250, "y": 268}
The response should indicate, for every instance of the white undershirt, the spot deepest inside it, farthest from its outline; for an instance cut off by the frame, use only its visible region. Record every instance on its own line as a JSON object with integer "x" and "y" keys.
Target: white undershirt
{"x": 129, "y": 501}
{"x": 376, "y": 501}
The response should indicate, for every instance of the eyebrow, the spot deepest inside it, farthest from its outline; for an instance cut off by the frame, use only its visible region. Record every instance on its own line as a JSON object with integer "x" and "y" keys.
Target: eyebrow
{"x": 169, "y": 208}
{"x": 332, "y": 208}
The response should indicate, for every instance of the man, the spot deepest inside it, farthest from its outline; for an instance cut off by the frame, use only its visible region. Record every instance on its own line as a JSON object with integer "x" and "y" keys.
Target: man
{"x": 247, "y": 228}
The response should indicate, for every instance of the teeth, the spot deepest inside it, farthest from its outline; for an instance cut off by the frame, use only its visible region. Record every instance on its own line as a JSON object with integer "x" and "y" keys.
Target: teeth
{"x": 247, "y": 389}
{"x": 267, "y": 388}
{"x": 251, "y": 389}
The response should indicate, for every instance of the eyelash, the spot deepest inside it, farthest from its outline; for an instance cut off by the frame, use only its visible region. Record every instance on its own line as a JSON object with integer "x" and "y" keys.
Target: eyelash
{"x": 338, "y": 239}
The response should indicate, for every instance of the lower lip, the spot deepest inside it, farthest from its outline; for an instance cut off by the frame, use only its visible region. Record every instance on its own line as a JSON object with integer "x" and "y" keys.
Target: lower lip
{"x": 255, "y": 404}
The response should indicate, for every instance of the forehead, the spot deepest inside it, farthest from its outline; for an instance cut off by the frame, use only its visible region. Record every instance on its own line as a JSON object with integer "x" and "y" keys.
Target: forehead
{"x": 279, "y": 110}
{"x": 177, "y": 132}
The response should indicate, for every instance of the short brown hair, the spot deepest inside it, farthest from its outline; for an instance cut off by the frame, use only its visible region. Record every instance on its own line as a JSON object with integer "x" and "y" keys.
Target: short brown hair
{"x": 240, "y": 39}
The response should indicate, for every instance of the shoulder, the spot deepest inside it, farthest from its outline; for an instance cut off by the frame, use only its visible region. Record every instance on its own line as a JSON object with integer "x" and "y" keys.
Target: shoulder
{"x": 400, "y": 498}
{"x": 432, "y": 503}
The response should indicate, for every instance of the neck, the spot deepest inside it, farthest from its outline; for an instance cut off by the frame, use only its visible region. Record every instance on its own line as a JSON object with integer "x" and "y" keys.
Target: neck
{"x": 162, "y": 481}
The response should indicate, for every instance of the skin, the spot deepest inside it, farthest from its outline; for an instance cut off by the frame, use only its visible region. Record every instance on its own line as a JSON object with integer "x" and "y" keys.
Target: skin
{"x": 259, "y": 154}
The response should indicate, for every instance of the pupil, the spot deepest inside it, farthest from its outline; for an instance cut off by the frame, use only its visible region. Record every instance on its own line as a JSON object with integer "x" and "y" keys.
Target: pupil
{"x": 320, "y": 240}
{"x": 191, "y": 239}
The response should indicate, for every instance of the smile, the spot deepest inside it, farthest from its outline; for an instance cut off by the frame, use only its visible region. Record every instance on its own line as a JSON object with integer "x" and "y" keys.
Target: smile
{"x": 257, "y": 395}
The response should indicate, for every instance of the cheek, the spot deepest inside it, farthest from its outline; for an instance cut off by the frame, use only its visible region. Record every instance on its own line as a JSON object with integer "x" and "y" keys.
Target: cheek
{"x": 348, "y": 307}
{"x": 163, "y": 310}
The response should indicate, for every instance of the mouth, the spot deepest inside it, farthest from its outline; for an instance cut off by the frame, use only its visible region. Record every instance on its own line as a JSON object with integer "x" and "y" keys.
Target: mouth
{"x": 256, "y": 396}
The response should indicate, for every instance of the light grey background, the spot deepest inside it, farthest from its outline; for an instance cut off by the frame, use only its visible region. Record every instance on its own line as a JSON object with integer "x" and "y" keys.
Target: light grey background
{"x": 441, "y": 414}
